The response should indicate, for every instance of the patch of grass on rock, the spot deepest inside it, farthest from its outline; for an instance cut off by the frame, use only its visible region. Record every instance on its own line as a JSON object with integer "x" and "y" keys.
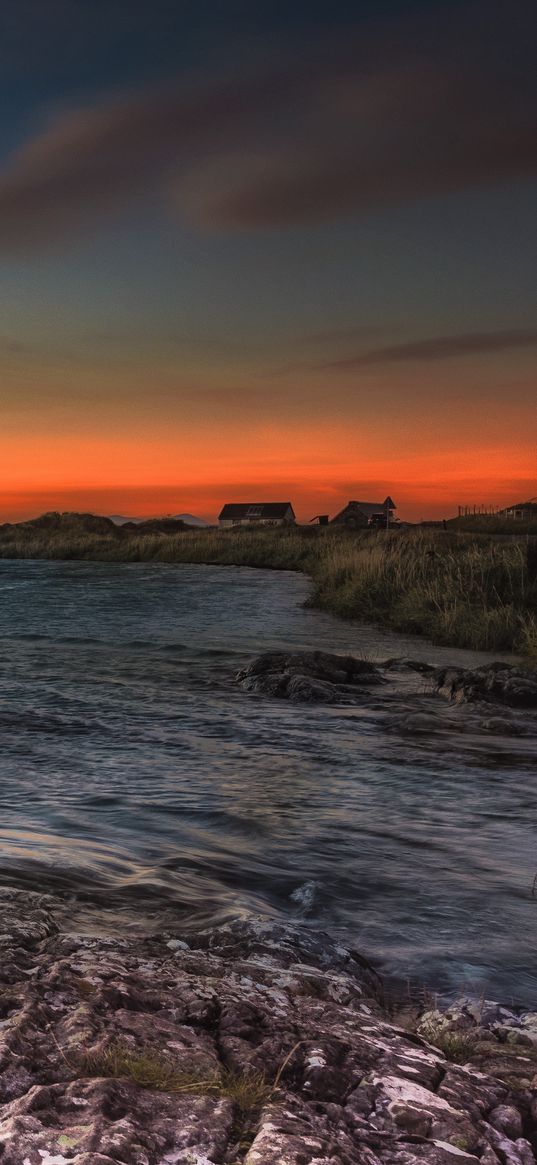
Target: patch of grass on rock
{"x": 248, "y": 1090}
{"x": 457, "y": 1046}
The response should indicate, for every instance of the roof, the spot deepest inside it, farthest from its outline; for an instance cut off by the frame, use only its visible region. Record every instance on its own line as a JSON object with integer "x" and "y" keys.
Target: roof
{"x": 234, "y": 511}
{"x": 531, "y": 505}
{"x": 368, "y": 508}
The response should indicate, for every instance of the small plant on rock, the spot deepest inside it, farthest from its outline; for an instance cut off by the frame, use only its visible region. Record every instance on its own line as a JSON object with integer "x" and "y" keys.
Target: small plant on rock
{"x": 457, "y": 1046}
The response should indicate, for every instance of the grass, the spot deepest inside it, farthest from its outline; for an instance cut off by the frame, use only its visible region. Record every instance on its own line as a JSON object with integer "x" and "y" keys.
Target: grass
{"x": 248, "y": 1090}
{"x": 459, "y": 1047}
{"x": 147, "y": 1069}
{"x": 151, "y": 1069}
{"x": 493, "y": 524}
{"x": 458, "y": 589}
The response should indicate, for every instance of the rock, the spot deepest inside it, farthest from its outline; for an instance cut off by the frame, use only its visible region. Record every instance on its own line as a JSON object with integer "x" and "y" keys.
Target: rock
{"x": 507, "y": 1119}
{"x": 254, "y": 1043}
{"x": 496, "y": 683}
{"x": 510, "y": 1152}
{"x": 501, "y": 726}
{"x": 402, "y": 664}
{"x": 177, "y": 944}
{"x": 308, "y": 676}
{"x": 89, "y": 1122}
{"x": 529, "y": 1022}
{"x": 416, "y": 724}
{"x": 309, "y": 690}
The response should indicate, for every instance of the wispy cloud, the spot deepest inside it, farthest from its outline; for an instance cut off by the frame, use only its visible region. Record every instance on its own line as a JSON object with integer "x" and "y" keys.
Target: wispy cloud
{"x": 442, "y": 104}
{"x": 439, "y": 348}
{"x": 91, "y": 163}
{"x": 409, "y": 112}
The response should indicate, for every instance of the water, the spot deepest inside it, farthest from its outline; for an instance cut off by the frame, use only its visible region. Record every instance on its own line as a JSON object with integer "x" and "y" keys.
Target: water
{"x": 137, "y": 777}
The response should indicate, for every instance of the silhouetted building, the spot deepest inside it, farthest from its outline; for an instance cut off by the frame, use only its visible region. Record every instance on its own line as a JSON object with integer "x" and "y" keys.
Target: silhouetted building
{"x": 260, "y": 513}
{"x": 522, "y": 512}
{"x": 357, "y": 514}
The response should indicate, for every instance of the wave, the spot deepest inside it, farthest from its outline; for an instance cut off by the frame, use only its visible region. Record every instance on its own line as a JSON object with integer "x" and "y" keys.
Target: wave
{"x": 304, "y": 896}
{"x": 28, "y": 721}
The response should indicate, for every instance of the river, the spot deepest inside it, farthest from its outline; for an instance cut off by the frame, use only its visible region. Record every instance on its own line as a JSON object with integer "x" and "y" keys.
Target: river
{"x": 136, "y": 777}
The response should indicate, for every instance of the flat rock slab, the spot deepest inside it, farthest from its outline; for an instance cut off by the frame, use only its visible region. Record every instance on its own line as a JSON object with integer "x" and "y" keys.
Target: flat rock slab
{"x": 342, "y": 1083}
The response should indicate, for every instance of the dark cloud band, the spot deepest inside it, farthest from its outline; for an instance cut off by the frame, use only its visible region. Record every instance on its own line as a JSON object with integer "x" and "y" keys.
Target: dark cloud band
{"x": 408, "y": 113}
{"x": 440, "y": 348}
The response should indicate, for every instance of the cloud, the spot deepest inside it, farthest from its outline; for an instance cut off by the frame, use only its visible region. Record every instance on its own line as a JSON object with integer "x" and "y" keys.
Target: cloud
{"x": 421, "y": 111}
{"x": 439, "y": 348}
{"x": 408, "y": 111}
{"x": 92, "y": 163}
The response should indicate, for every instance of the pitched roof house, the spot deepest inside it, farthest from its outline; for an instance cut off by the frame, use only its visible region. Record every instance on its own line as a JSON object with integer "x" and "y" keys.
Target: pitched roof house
{"x": 360, "y": 513}
{"x": 264, "y": 513}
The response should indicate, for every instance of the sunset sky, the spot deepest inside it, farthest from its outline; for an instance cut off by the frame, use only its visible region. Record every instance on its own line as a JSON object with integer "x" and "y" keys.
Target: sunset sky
{"x": 267, "y": 249}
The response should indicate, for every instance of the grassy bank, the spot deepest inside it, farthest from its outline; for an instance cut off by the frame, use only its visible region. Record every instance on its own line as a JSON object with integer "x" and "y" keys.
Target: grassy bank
{"x": 483, "y": 524}
{"x": 459, "y": 590}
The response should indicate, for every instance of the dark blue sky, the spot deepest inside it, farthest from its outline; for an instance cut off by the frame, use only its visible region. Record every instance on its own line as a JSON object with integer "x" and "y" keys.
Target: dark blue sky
{"x": 246, "y": 244}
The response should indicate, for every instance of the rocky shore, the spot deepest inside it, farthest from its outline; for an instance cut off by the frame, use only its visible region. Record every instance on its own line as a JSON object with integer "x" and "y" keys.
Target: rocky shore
{"x": 254, "y": 1043}
{"x": 498, "y": 697}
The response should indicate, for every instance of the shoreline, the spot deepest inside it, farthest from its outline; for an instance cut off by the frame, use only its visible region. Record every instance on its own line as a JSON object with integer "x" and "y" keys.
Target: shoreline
{"x": 457, "y": 590}
{"x": 104, "y": 917}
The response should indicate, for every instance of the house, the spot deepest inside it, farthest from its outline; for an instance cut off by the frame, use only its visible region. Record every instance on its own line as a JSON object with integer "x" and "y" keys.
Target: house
{"x": 258, "y": 513}
{"x": 358, "y": 514}
{"x": 522, "y": 512}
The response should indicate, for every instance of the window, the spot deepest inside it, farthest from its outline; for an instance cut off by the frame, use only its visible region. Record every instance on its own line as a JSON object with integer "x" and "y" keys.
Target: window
{"x": 254, "y": 511}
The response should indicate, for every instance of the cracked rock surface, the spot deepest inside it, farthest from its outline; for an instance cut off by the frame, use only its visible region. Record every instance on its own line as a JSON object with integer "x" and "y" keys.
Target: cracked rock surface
{"x": 345, "y": 1085}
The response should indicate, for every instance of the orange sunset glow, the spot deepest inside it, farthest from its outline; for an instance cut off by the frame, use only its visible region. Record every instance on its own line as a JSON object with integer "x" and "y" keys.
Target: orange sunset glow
{"x": 193, "y": 449}
{"x": 143, "y": 480}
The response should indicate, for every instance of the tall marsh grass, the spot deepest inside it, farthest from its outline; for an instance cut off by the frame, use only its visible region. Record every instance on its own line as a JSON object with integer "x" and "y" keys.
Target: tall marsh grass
{"x": 458, "y": 589}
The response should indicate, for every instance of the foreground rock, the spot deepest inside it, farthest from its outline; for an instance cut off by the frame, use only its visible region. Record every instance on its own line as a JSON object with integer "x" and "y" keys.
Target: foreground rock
{"x": 258, "y": 1044}
{"x": 495, "y": 683}
{"x": 308, "y": 676}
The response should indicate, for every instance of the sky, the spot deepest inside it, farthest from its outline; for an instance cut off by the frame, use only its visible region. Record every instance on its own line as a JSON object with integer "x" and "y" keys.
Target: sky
{"x": 267, "y": 251}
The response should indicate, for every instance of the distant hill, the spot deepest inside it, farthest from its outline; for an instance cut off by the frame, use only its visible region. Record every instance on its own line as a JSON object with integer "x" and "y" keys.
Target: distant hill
{"x": 188, "y": 519}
